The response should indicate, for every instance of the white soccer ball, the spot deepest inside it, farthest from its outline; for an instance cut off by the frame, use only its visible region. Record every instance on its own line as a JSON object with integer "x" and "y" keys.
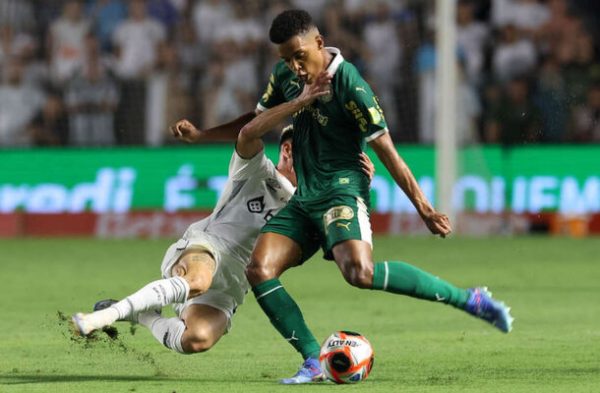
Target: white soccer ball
{"x": 346, "y": 357}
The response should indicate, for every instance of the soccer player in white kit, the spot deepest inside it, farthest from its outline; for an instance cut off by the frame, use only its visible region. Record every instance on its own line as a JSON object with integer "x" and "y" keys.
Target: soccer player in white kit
{"x": 203, "y": 273}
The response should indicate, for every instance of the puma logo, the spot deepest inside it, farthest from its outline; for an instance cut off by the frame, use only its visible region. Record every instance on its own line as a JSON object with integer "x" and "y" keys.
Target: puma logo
{"x": 361, "y": 89}
{"x": 343, "y": 225}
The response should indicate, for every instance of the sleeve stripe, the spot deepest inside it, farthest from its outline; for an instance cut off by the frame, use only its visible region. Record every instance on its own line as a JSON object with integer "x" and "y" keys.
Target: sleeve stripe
{"x": 376, "y": 135}
{"x": 260, "y": 107}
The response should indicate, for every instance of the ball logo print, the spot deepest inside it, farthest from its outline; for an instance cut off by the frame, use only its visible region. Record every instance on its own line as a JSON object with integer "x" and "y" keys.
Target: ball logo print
{"x": 346, "y": 357}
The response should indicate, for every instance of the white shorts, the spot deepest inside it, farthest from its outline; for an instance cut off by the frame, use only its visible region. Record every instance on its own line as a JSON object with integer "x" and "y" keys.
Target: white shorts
{"x": 229, "y": 285}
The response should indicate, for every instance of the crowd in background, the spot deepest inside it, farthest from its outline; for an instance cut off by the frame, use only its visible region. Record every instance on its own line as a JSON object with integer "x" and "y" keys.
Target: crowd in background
{"x": 118, "y": 72}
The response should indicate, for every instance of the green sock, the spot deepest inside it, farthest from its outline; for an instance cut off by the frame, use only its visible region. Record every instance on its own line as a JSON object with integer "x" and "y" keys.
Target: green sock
{"x": 286, "y": 316}
{"x": 402, "y": 278}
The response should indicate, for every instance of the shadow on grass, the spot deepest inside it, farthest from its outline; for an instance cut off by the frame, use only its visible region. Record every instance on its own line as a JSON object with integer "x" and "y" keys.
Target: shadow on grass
{"x": 23, "y": 379}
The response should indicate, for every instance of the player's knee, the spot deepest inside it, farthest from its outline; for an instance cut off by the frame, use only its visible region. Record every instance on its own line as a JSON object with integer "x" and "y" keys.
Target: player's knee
{"x": 256, "y": 272}
{"x": 358, "y": 274}
{"x": 199, "y": 339}
{"x": 199, "y": 284}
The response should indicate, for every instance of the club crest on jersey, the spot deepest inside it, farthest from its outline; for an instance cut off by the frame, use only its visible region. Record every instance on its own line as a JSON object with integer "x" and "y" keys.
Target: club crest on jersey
{"x": 256, "y": 205}
{"x": 337, "y": 213}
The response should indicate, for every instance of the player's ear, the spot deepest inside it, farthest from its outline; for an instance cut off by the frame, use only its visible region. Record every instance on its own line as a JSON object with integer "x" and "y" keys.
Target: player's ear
{"x": 320, "y": 41}
{"x": 287, "y": 149}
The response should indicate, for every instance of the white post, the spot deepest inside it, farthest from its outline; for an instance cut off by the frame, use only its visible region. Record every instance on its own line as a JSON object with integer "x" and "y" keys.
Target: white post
{"x": 445, "y": 136}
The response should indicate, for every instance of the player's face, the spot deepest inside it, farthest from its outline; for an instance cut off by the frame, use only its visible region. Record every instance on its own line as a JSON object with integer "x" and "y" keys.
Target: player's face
{"x": 303, "y": 55}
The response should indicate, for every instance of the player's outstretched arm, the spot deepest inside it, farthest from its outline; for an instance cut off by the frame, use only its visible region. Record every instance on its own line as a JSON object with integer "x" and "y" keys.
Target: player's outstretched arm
{"x": 184, "y": 130}
{"x": 383, "y": 146}
{"x": 249, "y": 141}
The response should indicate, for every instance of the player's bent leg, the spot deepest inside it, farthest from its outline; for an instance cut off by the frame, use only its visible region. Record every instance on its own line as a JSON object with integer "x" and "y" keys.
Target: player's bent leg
{"x": 353, "y": 259}
{"x": 272, "y": 255}
{"x": 192, "y": 276}
{"x": 153, "y": 296}
{"x": 205, "y": 325}
{"x": 198, "y": 269}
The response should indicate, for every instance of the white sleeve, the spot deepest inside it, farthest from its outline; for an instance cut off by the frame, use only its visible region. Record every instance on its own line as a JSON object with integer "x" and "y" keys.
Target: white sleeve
{"x": 257, "y": 166}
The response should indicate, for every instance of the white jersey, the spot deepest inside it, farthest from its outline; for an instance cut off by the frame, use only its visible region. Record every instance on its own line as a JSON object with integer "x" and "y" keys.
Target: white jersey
{"x": 255, "y": 191}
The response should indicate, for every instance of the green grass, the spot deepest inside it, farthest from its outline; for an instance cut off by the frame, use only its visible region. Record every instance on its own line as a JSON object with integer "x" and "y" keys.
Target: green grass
{"x": 551, "y": 283}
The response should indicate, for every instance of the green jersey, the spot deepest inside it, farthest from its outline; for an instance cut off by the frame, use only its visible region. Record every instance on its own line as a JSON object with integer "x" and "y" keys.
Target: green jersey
{"x": 329, "y": 134}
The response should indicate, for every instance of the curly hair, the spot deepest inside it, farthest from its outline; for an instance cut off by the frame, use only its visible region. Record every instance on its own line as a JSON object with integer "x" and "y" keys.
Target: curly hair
{"x": 288, "y": 24}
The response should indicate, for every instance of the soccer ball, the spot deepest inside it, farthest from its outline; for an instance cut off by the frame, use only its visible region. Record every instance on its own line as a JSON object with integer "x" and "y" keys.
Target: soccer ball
{"x": 346, "y": 357}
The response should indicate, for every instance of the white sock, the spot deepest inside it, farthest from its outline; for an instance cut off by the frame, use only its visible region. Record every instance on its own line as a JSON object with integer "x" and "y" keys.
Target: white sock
{"x": 167, "y": 331}
{"x": 153, "y": 296}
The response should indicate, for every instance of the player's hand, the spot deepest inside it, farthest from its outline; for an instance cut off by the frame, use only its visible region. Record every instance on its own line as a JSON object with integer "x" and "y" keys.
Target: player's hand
{"x": 184, "y": 130}
{"x": 367, "y": 165}
{"x": 438, "y": 223}
{"x": 320, "y": 87}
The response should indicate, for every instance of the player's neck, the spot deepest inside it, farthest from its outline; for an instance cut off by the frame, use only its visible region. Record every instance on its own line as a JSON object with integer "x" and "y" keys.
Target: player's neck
{"x": 327, "y": 58}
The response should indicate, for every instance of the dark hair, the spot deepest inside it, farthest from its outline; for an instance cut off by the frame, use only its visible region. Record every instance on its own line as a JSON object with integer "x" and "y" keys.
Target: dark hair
{"x": 286, "y": 134}
{"x": 288, "y": 24}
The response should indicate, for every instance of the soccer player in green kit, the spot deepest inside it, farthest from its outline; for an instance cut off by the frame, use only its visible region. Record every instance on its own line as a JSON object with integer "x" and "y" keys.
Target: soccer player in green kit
{"x": 330, "y": 206}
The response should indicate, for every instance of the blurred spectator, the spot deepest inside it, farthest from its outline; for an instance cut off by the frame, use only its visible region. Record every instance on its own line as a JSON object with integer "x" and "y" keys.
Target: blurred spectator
{"x": 15, "y": 44}
{"x": 514, "y": 55}
{"x": 91, "y": 100}
{"x": 17, "y": 14}
{"x": 106, "y": 15}
{"x": 212, "y": 18}
{"x": 552, "y": 100}
{"x": 383, "y": 63}
{"x": 471, "y": 38}
{"x": 516, "y": 120}
{"x": 559, "y": 24}
{"x": 582, "y": 69}
{"x": 525, "y": 15}
{"x": 66, "y": 41}
{"x": 165, "y": 12}
{"x": 19, "y": 105}
{"x": 50, "y": 127}
{"x": 586, "y": 118}
{"x": 138, "y": 41}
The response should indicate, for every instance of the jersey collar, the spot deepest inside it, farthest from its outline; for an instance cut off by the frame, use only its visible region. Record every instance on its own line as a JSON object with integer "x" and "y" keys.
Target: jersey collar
{"x": 337, "y": 59}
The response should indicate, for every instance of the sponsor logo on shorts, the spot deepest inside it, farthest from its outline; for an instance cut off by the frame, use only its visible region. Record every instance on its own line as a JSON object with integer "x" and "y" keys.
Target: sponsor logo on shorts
{"x": 337, "y": 213}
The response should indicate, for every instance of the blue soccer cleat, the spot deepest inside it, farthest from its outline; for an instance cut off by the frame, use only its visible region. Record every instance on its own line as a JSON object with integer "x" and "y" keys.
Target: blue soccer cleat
{"x": 309, "y": 372}
{"x": 482, "y": 305}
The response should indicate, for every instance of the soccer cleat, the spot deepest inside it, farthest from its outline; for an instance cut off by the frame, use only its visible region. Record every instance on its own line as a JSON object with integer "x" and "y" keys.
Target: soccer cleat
{"x": 482, "y": 305}
{"x": 309, "y": 372}
{"x": 102, "y": 304}
{"x": 81, "y": 324}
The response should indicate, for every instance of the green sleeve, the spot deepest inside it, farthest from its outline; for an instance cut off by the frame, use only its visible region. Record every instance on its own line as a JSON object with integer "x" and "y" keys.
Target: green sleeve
{"x": 361, "y": 105}
{"x": 272, "y": 95}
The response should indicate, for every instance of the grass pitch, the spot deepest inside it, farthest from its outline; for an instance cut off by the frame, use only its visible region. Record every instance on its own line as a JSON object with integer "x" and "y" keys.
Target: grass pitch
{"x": 551, "y": 283}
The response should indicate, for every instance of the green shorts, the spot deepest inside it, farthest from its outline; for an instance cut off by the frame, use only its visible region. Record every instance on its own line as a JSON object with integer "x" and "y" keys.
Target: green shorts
{"x": 322, "y": 223}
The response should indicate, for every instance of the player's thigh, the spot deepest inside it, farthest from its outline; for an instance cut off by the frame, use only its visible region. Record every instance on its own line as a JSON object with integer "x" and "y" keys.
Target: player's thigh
{"x": 205, "y": 325}
{"x": 340, "y": 219}
{"x": 288, "y": 239}
{"x": 197, "y": 267}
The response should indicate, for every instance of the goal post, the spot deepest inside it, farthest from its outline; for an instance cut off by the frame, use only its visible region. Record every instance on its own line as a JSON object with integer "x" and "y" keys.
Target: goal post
{"x": 445, "y": 122}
